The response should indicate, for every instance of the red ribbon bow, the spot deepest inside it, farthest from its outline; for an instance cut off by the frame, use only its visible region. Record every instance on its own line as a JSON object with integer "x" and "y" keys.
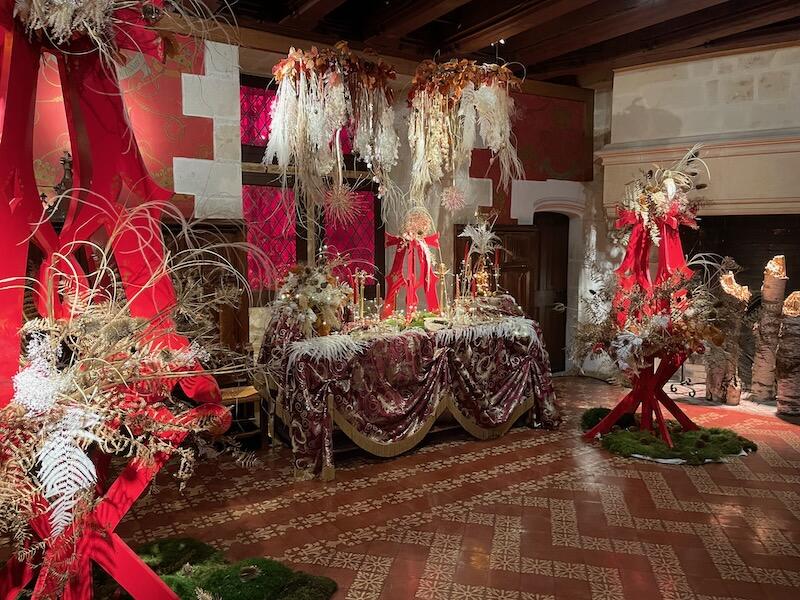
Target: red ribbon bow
{"x": 410, "y": 251}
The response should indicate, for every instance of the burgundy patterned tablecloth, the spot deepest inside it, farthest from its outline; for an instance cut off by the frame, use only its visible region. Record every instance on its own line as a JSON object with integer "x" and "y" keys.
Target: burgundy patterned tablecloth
{"x": 386, "y": 391}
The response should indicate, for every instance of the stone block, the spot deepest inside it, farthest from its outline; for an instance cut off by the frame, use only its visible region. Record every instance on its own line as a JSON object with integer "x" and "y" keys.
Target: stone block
{"x": 207, "y": 96}
{"x": 755, "y": 60}
{"x": 787, "y": 56}
{"x": 712, "y": 91}
{"x": 701, "y": 68}
{"x": 774, "y": 85}
{"x": 632, "y": 82}
{"x": 725, "y": 65}
{"x": 221, "y": 60}
{"x": 737, "y": 89}
{"x": 216, "y": 186}
{"x": 227, "y": 140}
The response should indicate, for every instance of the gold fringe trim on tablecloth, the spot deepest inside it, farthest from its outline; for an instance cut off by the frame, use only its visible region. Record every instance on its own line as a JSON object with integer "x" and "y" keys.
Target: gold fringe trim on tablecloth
{"x": 391, "y": 449}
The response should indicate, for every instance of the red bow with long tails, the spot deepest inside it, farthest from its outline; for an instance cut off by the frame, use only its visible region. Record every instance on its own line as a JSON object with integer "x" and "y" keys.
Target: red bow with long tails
{"x": 410, "y": 251}
{"x": 635, "y": 267}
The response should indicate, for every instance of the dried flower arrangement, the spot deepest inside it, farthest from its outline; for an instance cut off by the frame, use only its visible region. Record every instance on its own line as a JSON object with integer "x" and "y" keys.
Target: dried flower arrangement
{"x": 661, "y": 193}
{"x": 451, "y": 104}
{"x": 109, "y": 26}
{"x": 321, "y": 94}
{"x": 678, "y": 315}
{"x": 312, "y": 298}
{"x": 95, "y": 380}
{"x": 633, "y": 319}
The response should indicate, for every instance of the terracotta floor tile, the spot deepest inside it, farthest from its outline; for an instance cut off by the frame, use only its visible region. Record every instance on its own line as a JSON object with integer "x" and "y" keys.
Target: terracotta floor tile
{"x": 537, "y": 512}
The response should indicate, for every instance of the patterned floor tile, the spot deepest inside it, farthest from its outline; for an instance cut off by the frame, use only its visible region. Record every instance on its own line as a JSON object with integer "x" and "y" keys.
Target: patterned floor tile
{"x": 535, "y": 515}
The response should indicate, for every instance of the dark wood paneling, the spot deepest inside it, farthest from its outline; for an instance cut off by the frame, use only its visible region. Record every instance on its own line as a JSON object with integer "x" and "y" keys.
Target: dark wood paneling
{"x": 551, "y": 284}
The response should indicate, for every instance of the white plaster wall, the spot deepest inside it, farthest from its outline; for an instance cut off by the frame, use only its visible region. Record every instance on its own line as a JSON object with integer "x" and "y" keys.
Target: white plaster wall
{"x": 748, "y": 92}
{"x": 215, "y": 184}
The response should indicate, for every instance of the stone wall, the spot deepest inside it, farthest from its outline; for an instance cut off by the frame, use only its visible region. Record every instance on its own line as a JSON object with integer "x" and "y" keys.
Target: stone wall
{"x": 216, "y": 184}
{"x": 744, "y": 108}
{"x": 724, "y": 95}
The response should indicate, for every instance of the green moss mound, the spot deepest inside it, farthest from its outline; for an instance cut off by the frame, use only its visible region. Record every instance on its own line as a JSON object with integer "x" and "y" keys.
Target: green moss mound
{"x": 695, "y": 447}
{"x": 186, "y": 564}
{"x": 593, "y": 416}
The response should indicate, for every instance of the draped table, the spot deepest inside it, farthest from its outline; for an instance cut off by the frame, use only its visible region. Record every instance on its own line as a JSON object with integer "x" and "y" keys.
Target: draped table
{"x": 386, "y": 390}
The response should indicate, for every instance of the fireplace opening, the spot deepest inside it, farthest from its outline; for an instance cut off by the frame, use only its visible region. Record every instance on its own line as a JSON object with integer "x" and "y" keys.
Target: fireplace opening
{"x": 751, "y": 240}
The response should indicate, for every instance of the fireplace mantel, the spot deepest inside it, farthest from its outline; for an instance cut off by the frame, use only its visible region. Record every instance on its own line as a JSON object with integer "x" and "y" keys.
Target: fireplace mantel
{"x": 756, "y": 173}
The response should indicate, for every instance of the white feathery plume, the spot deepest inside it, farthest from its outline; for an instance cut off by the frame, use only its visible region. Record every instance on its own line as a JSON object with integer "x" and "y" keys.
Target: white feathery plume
{"x": 483, "y": 240}
{"x": 282, "y": 131}
{"x": 328, "y": 348}
{"x": 519, "y": 327}
{"x": 466, "y": 112}
{"x": 37, "y": 385}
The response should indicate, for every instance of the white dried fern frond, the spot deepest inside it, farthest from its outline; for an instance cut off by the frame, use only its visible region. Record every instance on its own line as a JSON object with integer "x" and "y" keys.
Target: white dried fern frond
{"x": 65, "y": 470}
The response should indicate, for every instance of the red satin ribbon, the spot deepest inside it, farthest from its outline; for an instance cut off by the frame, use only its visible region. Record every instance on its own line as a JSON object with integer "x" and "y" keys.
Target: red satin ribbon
{"x": 635, "y": 267}
{"x": 410, "y": 252}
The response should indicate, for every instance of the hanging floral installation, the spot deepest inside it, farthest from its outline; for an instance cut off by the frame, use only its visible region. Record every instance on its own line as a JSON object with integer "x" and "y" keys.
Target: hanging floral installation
{"x": 452, "y": 104}
{"x": 323, "y": 95}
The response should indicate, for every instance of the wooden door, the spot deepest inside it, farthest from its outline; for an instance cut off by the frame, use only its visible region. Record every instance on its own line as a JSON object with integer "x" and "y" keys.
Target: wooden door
{"x": 534, "y": 271}
{"x": 550, "y": 288}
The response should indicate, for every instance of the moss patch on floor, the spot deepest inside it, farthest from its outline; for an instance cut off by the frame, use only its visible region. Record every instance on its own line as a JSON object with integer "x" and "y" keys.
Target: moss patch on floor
{"x": 187, "y": 565}
{"x": 695, "y": 447}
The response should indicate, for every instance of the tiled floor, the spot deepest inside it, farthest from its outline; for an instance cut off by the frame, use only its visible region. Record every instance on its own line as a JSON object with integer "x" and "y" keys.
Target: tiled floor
{"x": 535, "y": 515}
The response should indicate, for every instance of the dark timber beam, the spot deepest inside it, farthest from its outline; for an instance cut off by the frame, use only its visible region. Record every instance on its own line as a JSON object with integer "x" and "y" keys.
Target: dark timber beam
{"x": 719, "y": 29}
{"x": 509, "y": 23}
{"x": 308, "y": 13}
{"x": 597, "y": 23}
{"x": 393, "y": 23}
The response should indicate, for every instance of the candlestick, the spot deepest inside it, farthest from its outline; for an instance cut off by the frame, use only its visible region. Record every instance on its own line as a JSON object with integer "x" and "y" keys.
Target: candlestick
{"x": 442, "y": 272}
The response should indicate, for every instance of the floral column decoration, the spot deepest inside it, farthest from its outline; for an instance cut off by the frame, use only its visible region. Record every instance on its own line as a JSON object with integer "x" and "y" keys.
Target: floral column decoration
{"x": 653, "y": 326}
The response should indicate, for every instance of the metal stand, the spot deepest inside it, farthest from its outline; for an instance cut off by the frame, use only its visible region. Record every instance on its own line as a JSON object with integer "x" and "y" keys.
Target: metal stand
{"x": 685, "y": 382}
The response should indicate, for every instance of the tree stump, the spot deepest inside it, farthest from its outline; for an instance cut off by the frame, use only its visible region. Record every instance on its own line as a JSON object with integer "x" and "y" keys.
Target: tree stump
{"x": 788, "y": 359}
{"x": 767, "y": 329}
{"x": 722, "y": 361}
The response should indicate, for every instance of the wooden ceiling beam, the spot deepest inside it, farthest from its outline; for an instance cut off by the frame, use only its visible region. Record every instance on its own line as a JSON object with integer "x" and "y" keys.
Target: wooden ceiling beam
{"x": 392, "y": 23}
{"x": 308, "y": 13}
{"x": 715, "y": 30}
{"x": 509, "y": 23}
{"x": 597, "y": 23}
